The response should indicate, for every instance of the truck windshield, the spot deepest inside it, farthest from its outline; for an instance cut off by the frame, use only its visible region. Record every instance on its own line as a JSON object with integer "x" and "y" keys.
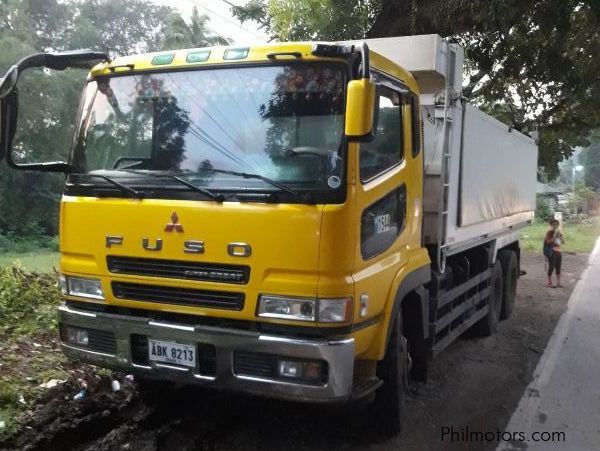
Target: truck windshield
{"x": 282, "y": 122}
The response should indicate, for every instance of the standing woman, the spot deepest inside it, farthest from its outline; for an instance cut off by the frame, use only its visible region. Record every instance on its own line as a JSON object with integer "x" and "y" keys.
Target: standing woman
{"x": 552, "y": 242}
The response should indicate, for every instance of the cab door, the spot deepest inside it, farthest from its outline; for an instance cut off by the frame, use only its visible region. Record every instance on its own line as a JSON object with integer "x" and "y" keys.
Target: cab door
{"x": 388, "y": 183}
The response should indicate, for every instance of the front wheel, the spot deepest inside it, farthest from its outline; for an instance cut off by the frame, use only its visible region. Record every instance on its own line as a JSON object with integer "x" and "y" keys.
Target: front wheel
{"x": 393, "y": 371}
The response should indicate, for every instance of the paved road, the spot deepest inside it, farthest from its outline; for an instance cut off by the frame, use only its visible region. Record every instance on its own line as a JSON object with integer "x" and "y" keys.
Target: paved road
{"x": 561, "y": 406}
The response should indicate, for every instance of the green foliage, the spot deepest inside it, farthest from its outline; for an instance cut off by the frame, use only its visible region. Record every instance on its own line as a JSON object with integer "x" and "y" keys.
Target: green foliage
{"x": 543, "y": 211}
{"x": 27, "y": 302}
{"x": 590, "y": 157}
{"x": 531, "y": 63}
{"x": 49, "y": 100}
{"x": 196, "y": 33}
{"x": 11, "y": 242}
{"x": 586, "y": 194}
{"x": 582, "y": 202}
{"x": 318, "y": 19}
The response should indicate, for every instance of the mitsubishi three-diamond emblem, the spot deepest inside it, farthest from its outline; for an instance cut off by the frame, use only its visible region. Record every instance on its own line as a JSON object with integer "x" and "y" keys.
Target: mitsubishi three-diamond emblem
{"x": 174, "y": 224}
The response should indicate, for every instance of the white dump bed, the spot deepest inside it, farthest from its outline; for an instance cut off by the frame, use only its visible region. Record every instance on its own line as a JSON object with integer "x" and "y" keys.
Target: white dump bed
{"x": 498, "y": 171}
{"x": 480, "y": 176}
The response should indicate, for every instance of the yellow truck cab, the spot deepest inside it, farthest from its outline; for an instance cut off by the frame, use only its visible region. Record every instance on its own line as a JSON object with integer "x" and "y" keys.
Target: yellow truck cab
{"x": 252, "y": 219}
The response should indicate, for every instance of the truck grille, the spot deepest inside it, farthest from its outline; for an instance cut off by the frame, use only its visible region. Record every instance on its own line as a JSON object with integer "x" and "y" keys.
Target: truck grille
{"x": 179, "y": 296}
{"x": 208, "y": 272}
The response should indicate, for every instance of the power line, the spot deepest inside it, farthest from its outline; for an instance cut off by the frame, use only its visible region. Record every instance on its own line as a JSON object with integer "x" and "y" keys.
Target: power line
{"x": 227, "y": 19}
{"x": 230, "y": 3}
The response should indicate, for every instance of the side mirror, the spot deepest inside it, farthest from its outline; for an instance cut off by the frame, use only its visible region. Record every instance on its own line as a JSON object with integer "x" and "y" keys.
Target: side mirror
{"x": 361, "y": 113}
{"x": 36, "y": 111}
{"x": 360, "y": 110}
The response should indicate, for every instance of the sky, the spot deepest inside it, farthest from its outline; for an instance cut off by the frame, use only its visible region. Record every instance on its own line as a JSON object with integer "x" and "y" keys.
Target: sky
{"x": 221, "y": 19}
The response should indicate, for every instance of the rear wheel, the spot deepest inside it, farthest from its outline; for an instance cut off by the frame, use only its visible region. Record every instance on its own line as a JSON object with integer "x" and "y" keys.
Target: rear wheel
{"x": 487, "y": 325}
{"x": 510, "y": 271}
{"x": 393, "y": 371}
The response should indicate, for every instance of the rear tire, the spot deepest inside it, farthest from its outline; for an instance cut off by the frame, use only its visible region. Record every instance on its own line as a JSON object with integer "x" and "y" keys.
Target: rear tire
{"x": 393, "y": 371}
{"x": 510, "y": 271}
{"x": 487, "y": 325}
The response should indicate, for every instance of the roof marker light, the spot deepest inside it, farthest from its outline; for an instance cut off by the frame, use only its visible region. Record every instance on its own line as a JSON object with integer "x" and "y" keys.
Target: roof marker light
{"x": 236, "y": 54}
{"x": 166, "y": 58}
{"x": 198, "y": 56}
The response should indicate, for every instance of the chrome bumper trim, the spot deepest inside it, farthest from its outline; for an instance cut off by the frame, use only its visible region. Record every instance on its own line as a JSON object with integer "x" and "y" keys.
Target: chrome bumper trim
{"x": 339, "y": 355}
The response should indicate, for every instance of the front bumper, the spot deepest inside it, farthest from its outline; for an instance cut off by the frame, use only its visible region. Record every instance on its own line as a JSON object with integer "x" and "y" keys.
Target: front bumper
{"x": 338, "y": 354}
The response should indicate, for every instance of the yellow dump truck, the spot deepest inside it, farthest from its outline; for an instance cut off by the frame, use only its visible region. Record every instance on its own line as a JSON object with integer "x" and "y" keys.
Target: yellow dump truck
{"x": 308, "y": 221}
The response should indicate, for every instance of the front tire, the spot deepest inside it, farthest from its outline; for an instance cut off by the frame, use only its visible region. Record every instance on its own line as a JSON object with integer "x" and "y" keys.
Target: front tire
{"x": 393, "y": 371}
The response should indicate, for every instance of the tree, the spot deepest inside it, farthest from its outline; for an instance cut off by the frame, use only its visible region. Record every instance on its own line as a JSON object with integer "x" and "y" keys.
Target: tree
{"x": 591, "y": 161}
{"x": 534, "y": 62}
{"x": 116, "y": 26}
{"x": 29, "y": 201}
{"x": 196, "y": 33}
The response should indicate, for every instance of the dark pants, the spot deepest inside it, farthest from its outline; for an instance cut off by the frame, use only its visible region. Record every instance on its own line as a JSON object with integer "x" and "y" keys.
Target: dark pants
{"x": 554, "y": 263}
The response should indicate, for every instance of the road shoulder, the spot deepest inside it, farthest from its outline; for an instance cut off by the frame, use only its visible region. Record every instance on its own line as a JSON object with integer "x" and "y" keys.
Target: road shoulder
{"x": 559, "y": 408}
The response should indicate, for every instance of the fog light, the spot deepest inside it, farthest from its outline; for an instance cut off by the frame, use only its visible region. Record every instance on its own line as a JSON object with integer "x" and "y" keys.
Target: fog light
{"x": 77, "y": 336}
{"x": 312, "y": 370}
{"x": 293, "y": 369}
{"x": 290, "y": 369}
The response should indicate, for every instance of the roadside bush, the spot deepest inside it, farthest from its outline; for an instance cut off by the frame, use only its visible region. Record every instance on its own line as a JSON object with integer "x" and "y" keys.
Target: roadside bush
{"x": 10, "y": 242}
{"x": 543, "y": 211}
{"x": 28, "y": 301}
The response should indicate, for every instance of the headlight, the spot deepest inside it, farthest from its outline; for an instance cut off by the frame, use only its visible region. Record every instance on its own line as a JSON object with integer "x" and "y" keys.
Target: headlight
{"x": 82, "y": 287}
{"x": 287, "y": 308}
{"x": 305, "y": 309}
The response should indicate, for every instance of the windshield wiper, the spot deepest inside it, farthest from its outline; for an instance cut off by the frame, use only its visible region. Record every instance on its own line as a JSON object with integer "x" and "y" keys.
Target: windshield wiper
{"x": 214, "y": 196}
{"x": 124, "y": 188}
{"x": 248, "y": 175}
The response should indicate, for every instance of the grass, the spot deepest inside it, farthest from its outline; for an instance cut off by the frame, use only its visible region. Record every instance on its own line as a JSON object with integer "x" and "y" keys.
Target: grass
{"x": 579, "y": 238}
{"x": 42, "y": 261}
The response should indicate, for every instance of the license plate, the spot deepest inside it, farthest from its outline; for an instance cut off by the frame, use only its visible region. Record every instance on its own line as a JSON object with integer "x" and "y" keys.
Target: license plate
{"x": 170, "y": 352}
